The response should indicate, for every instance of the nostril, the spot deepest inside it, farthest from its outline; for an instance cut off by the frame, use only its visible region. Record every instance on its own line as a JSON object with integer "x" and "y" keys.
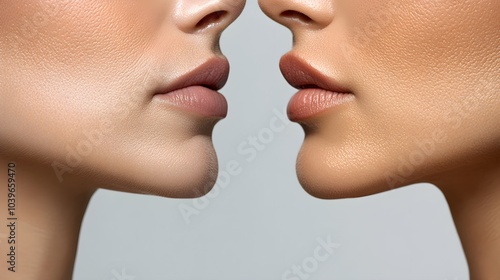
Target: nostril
{"x": 211, "y": 19}
{"x": 294, "y": 15}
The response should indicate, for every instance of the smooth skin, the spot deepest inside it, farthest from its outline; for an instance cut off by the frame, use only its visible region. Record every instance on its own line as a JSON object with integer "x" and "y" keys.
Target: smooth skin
{"x": 77, "y": 112}
{"x": 425, "y": 77}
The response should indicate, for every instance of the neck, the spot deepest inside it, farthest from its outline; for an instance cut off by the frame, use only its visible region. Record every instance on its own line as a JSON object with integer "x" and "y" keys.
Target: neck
{"x": 49, "y": 215}
{"x": 474, "y": 199}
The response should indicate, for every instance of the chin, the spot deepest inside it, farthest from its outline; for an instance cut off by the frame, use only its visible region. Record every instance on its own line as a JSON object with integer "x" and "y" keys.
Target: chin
{"x": 329, "y": 173}
{"x": 190, "y": 172}
{"x": 182, "y": 170}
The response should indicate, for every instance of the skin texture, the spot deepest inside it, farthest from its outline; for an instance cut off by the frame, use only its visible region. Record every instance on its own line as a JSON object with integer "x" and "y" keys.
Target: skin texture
{"x": 425, "y": 79}
{"x": 80, "y": 76}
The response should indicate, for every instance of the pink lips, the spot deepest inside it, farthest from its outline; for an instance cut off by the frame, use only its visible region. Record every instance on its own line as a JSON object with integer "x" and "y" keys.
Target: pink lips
{"x": 196, "y": 91}
{"x": 318, "y": 92}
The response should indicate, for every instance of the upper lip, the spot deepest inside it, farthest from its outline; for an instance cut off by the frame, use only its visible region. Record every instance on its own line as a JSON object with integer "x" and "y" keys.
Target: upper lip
{"x": 212, "y": 74}
{"x": 302, "y": 75}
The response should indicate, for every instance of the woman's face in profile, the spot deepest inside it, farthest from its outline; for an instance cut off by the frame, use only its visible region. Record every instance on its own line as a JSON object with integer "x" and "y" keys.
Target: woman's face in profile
{"x": 116, "y": 93}
{"x": 397, "y": 92}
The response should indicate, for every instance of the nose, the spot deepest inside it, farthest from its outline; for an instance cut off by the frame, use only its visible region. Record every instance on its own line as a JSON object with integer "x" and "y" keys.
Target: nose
{"x": 193, "y": 16}
{"x": 316, "y": 14}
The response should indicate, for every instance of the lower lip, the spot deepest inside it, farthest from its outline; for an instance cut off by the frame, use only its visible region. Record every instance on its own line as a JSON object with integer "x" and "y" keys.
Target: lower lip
{"x": 199, "y": 100}
{"x": 309, "y": 103}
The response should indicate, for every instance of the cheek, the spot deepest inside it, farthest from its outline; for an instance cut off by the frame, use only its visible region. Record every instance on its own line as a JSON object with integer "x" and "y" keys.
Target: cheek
{"x": 421, "y": 37}
{"x": 423, "y": 63}
{"x": 61, "y": 67}
{"x": 60, "y": 57}
{"x": 73, "y": 35}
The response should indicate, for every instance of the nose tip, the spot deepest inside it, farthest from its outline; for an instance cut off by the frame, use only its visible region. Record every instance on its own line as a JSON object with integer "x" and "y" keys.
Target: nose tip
{"x": 299, "y": 13}
{"x": 197, "y": 15}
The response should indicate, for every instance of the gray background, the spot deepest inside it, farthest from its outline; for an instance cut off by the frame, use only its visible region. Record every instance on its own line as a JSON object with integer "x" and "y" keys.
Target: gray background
{"x": 262, "y": 223}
